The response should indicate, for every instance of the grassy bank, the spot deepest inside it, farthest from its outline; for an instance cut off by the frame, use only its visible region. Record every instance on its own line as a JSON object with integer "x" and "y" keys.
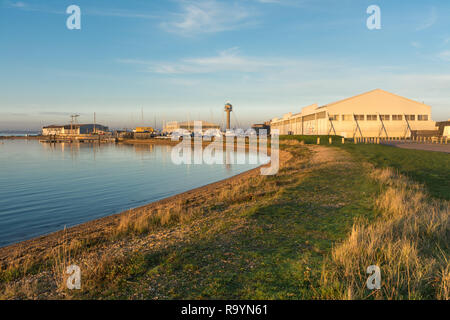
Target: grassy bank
{"x": 307, "y": 233}
{"x": 429, "y": 168}
{"x": 410, "y": 242}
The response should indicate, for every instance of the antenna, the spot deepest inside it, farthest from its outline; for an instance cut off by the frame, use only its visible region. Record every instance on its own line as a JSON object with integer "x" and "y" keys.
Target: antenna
{"x": 74, "y": 118}
{"x": 72, "y": 121}
{"x": 211, "y": 114}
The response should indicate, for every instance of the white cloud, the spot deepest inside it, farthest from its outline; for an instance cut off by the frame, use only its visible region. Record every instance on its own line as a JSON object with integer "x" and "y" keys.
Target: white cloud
{"x": 228, "y": 60}
{"x": 289, "y": 82}
{"x": 208, "y": 16}
{"x": 429, "y": 21}
{"x": 18, "y": 4}
{"x": 445, "y": 55}
{"x": 120, "y": 14}
{"x": 88, "y": 11}
{"x": 14, "y": 4}
{"x": 291, "y": 3}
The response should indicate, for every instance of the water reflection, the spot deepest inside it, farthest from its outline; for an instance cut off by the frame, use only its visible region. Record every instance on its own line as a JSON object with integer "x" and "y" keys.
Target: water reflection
{"x": 45, "y": 186}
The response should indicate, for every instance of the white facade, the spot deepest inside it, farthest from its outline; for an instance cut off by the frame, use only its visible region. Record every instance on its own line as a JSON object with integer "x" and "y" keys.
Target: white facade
{"x": 447, "y": 132}
{"x": 60, "y": 130}
{"x": 376, "y": 113}
{"x": 75, "y": 129}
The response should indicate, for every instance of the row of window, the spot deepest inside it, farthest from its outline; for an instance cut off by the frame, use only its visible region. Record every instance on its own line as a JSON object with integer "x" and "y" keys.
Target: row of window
{"x": 374, "y": 117}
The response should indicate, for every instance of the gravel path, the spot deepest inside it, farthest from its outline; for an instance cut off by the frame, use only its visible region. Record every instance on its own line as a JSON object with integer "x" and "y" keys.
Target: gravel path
{"x": 420, "y": 146}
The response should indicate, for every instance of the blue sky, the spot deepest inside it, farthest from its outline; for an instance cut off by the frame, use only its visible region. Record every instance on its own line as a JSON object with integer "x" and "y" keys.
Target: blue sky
{"x": 184, "y": 59}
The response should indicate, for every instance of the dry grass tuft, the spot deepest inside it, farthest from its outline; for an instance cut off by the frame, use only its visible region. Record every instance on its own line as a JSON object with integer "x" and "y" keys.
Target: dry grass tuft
{"x": 146, "y": 220}
{"x": 409, "y": 242}
{"x": 62, "y": 258}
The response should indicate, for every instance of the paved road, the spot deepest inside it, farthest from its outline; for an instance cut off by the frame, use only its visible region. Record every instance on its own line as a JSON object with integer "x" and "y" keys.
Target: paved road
{"x": 420, "y": 146}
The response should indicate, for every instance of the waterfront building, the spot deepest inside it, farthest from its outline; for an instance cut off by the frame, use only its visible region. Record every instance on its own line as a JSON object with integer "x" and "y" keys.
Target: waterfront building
{"x": 73, "y": 129}
{"x": 172, "y": 126}
{"x": 376, "y": 113}
{"x": 144, "y": 130}
{"x": 444, "y": 128}
{"x": 261, "y": 126}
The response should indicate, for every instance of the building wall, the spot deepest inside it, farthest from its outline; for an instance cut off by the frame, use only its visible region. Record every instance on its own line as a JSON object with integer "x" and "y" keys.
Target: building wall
{"x": 444, "y": 128}
{"x": 90, "y": 128}
{"x": 171, "y": 126}
{"x": 376, "y": 108}
{"x": 259, "y": 127}
{"x": 446, "y": 131}
{"x": 144, "y": 129}
{"x": 76, "y": 129}
{"x": 313, "y": 124}
{"x": 175, "y": 125}
{"x": 52, "y": 131}
{"x": 62, "y": 130}
{"x": 370, "y": 111}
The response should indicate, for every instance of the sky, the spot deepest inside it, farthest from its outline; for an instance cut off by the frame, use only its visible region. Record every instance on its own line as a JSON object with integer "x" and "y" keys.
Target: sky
{"x": 184, "y": 59}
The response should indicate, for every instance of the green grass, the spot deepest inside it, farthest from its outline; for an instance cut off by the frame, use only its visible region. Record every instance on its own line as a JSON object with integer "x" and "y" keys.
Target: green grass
{"x": 431, "y": 169}
{"x": 425, "y": 167}
{"x": 270, "y": 249}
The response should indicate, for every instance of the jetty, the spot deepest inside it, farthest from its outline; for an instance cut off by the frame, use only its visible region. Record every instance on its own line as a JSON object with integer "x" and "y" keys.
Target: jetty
{"x": 78, "y": 139}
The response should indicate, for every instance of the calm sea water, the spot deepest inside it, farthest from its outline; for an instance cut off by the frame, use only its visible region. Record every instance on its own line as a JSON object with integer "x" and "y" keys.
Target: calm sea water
{"x": 8, "y": 134}
{"x": 44, "y": 187}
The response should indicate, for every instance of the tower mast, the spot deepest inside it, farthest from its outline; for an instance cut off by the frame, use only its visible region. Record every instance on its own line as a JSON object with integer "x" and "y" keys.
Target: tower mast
{"x": 228, "y": 110}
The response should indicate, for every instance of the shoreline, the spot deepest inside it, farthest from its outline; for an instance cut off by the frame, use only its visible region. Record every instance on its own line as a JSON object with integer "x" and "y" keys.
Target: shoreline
{"x": 100, "y": 229}
{"x": 20, "y": 137}
{"x": 155, "y": 141}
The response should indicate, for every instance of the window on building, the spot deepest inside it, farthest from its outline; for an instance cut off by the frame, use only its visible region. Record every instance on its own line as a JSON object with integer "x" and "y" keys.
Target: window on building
{"x": 347, "y": 117}
{"x": 371, "y": 117}
{"x": 385, "y": 117}
{"x": 334, "y": 117}
{"x": 422, "y": 117}
{"x": 410, "y": 117}
{"x": 397, "y": 117}
{"x": 359, "y": 117}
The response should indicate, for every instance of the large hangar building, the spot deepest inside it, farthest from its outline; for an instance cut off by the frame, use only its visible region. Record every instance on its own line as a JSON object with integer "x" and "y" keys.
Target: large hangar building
{"x": 376, "y": 113}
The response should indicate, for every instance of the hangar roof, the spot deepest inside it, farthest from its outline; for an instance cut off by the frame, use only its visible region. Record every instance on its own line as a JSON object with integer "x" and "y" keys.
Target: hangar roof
{"x": 379, "y": 91}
